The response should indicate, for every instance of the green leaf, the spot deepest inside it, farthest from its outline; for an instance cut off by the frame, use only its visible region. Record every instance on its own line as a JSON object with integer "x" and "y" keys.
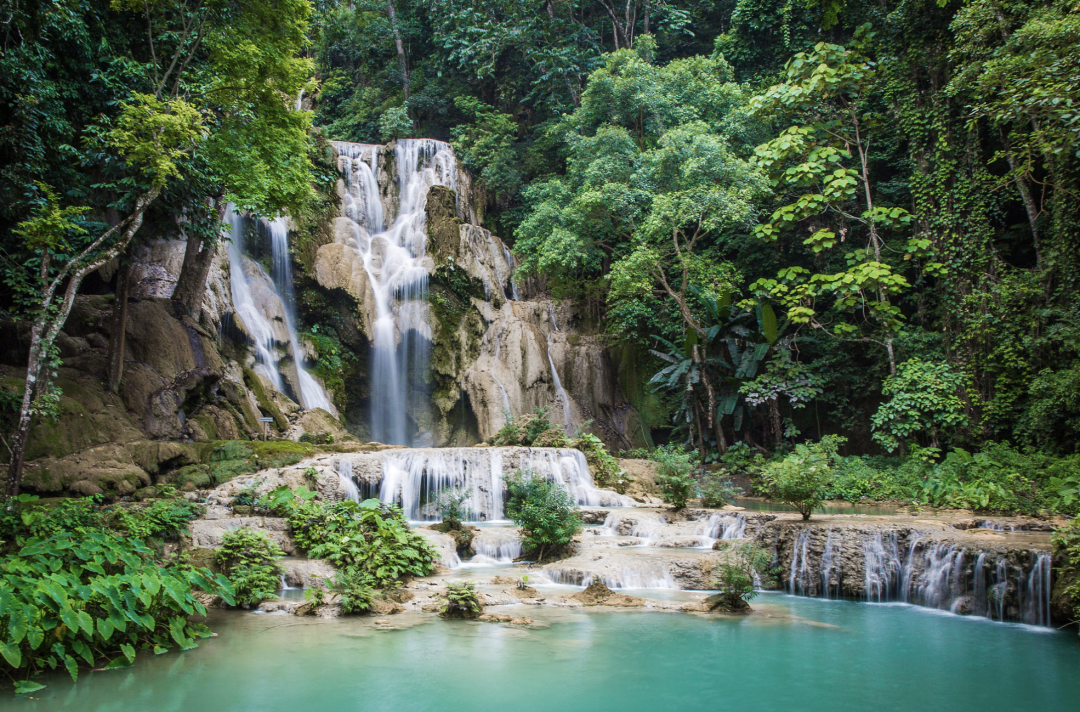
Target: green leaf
{"x": 72, "y": 667}
{"x": 24, "y": 686}
{"x": 128, "y": 651}
{"x": 12, "y": 654}
{"x": 118, "y": 663}
{"x": 768, "y": 323}
{"x": 105, "y": 628}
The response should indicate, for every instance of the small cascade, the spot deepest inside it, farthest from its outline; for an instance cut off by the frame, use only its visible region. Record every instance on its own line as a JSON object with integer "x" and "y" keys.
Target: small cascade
{"x": 910, "y": 567}
{"x": 830, "y": 568}
{"x": 560, "y": 393}
{"x": 415, "y": 478}
{"x": 263, "y": 304}
{"x": 495, "y": 547}
{"x": 720, "y": 527}
{"x": 394, "y": 259}
{"x": 800, "y": 580}
{"x": 881, "y": 556}
{"x": 348, "y": 485}
{"x": 644, "y": 574}
{"x": 510, "y": 261}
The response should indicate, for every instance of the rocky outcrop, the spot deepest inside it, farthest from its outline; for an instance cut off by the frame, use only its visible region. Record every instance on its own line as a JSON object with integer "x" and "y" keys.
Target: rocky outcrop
{"x": 208, "y": 533}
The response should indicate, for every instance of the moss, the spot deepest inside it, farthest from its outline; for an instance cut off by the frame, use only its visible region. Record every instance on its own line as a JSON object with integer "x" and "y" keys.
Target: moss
{"x": 443, "y": 225}
{"x": 265, "y": 404}
{"x": 208, "y": 425}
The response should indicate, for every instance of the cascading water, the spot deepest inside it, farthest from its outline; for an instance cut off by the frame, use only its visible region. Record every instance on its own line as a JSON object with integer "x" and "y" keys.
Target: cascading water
{"x": 393, "y": 257}
{"x": 911, "y": 567}
{"x": 415, "y": 478}
{"x": 312, "y": 394}
{"x": 259, "y": 300}
{"x": 560, "y": 393}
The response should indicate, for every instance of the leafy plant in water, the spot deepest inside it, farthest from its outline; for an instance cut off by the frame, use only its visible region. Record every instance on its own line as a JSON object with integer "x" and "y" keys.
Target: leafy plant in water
{"x": 355, "y": 594}
{"x": 369, "y": 540}
{"x": 461, "y": 601}
{"x": 736, "y": 574}
{"x": 544, "y": 510}
{"x": 451, "y": 506}
{"x": 70, "y": 600}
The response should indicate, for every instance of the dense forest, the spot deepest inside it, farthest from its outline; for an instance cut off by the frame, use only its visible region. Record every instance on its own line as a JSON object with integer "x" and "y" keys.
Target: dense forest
{"x": 788, "y": 219}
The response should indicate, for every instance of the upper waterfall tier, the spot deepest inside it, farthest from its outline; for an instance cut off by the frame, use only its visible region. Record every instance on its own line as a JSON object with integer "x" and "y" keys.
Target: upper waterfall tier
{"x": 395, "y": 259}
{"x": 415, "y": 478}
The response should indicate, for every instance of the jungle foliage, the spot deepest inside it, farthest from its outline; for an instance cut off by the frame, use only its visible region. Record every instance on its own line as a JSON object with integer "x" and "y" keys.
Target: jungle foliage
{"x": 77, "y": 592}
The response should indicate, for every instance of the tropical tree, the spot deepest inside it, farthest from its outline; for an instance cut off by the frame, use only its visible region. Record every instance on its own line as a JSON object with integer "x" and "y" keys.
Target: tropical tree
{"x": 823, "y": 161}
{"x": 208, "y": 94}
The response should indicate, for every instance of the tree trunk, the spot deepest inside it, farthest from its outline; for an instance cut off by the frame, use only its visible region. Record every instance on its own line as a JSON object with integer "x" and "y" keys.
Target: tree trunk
{"x": 115, "y": 359}
{"x": 777, "y": 427}
{"x": 400, "y": 47}
{"x": 45, "y": 329}
{"x": 198, "y": 258}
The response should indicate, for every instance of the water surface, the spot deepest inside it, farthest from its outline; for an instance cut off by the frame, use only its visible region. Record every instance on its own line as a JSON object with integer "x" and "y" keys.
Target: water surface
{"x": 794, "y": 654}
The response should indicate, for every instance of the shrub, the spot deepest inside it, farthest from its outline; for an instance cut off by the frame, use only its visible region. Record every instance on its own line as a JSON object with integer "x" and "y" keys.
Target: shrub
{"x": 355, "y": 594}
{"x": 369, "y": 540}
{"x": 163, "y": 519}
{"x": 1066, "y": 541}
{"x": 461, "y": 601}
{"x": 801, "y": 478}
{"x": 715, "y": 490}
{"x": 736, "y": 575}
{"x": 544, "y": 510}
{"x": 605, "y": 468}
{"x": 451, "y": 506}
{"x": 673, "y": 467}
{"x": 249, "y": 559}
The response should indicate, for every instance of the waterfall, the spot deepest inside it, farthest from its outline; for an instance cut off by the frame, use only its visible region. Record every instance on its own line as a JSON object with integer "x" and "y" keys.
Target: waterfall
{"x": 829, "y": 566}
{"x": 510, "y": 261}
{"x": 799, "y": 578}
{"x": 393, "y": 257}
{"x": 348, "y": 485}
{"x": 311, "y": 394}
{"x": 495, "y": 547}
{"x": 909, "y": 567}
{"x": 260, "y": 300}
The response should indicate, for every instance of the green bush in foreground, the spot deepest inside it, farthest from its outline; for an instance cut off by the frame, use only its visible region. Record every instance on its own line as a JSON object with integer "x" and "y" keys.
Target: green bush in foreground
{"x": 544, "y": 510}
{"x": 735, "y": 576}
{"x": 249, "y": 559}
{"x": 73, "y": 592}
{"x": 369, "y": 541}
{"x": 461, "y": 601}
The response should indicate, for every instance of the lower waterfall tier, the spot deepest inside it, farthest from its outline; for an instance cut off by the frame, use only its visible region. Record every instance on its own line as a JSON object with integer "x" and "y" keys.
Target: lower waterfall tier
{"x": 911, "y": 564}
{"x": 416, "y": 477}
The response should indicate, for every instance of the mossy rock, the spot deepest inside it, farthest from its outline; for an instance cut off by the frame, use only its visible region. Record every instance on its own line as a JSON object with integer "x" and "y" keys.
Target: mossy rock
{"x": 551, "y": 438}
